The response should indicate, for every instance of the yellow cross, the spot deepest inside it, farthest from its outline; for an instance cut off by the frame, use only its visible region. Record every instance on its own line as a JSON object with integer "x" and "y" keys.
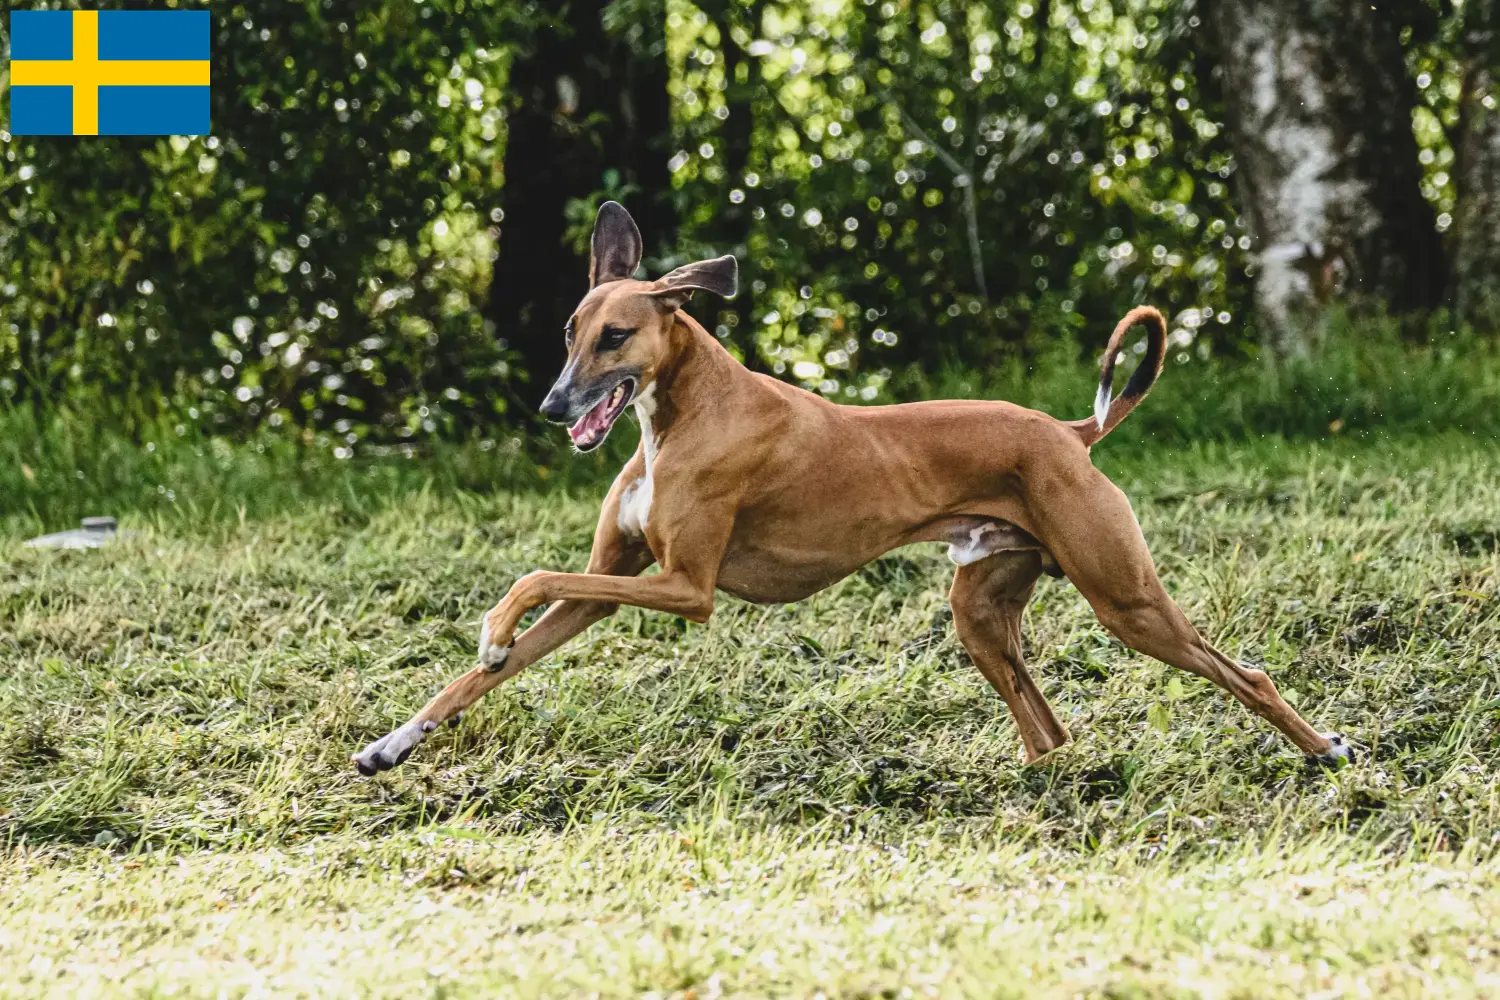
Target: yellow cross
{"x": 86, "y": 73}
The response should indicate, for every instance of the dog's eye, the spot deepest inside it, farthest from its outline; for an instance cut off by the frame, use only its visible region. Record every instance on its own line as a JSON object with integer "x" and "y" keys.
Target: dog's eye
{"x": 613, "y": 337}
{"x": 568, "y": 333}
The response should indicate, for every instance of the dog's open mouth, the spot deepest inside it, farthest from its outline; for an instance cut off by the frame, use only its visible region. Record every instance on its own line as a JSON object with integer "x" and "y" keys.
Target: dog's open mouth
{"x": 593, "y": 427}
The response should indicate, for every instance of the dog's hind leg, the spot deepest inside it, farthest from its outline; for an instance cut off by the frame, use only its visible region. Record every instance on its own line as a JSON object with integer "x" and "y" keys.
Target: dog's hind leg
{"x": 988, "y": 597}
{"x": 1088, "y": 526}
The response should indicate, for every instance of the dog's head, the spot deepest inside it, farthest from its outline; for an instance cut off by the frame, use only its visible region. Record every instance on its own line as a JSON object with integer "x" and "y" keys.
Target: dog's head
{"x": 619, "y": 337}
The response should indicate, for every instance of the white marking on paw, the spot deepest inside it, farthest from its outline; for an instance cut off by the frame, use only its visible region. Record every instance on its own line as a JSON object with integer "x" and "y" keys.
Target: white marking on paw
{"x": 494, "y": 656}
{"x": 1339, "y": 748}
{"x": 490, "y": 656}
{"x": 635, "y": 503}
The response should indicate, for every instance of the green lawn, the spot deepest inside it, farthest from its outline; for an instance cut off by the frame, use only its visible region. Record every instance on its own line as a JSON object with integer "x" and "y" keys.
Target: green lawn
{"x": 821, "y": 797}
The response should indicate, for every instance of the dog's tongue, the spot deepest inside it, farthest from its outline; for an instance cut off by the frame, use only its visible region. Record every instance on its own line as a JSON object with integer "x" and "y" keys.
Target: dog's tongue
{"x": 592, "y": 423}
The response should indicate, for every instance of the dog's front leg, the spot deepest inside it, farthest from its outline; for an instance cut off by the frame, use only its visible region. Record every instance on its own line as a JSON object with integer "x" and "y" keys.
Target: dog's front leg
{"x": 561, "y": 622}
{"x": 690, "y": 562}
{"x": 612, "y": 554}
{"x": 676, "y": 593}
{"x": 690, "y": 551}
{"x": 583, "y": 599}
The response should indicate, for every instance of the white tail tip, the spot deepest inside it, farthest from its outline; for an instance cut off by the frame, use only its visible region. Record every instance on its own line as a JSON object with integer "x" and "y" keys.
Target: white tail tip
{"x": 1101, "y": 405}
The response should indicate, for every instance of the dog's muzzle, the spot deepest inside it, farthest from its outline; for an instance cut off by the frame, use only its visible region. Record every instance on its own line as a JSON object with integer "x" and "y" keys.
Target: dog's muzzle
{"x": 591, "y": 413}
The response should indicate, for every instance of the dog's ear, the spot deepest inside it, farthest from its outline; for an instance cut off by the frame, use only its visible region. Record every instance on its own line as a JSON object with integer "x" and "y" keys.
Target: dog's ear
{"x": 615, "y": 248}
{"x": 720, "y": 276}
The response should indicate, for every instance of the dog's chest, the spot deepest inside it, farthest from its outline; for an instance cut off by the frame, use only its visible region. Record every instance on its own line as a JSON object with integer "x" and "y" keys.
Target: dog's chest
{"x": 635, "y": 502}
{"x": 635, "y": 506}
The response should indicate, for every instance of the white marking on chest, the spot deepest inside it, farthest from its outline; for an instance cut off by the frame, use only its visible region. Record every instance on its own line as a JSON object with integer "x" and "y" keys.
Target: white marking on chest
{"x": 973, "y": 548}
{"x": 635, "y": 502}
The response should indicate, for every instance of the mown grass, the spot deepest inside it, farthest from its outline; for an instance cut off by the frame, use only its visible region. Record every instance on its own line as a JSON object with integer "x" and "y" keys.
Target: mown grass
{"x": 824, "y": 796}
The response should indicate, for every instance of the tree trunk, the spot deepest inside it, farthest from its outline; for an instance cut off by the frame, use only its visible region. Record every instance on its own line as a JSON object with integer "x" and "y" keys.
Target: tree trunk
{"x": 1476, "y": 171}
{"x": 588, "y": 101}
{"x": 1320, "y": 107}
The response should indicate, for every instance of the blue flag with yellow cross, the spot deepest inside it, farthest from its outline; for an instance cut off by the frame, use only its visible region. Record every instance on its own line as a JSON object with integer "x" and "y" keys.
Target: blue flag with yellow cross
{"x": 110, "y": 72}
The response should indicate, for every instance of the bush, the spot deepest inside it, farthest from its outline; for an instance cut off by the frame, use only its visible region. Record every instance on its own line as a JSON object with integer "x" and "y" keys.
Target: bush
{"x": 1363, "y": 378}
{"x": 318, "y": 260}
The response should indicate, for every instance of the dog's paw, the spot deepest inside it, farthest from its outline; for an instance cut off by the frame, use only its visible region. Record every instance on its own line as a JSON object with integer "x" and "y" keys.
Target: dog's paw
{"x": 1339, "y": 755}
{"x": 492, "y": 656}
{"x": 392, "y": 749}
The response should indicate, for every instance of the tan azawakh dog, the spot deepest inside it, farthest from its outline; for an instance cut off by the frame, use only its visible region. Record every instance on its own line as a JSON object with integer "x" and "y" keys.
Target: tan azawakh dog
{"x": 745, "y": 484}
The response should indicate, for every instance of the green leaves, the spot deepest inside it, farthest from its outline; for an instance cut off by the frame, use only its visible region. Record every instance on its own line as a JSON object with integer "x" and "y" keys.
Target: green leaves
{"x": 909, "y": 188}
{"x": 1095, "y": 161}
{"x": 131, "y": 253}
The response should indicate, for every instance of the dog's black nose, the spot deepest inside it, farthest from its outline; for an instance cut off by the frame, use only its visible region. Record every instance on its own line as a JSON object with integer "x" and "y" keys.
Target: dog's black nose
{"x": 554, "y": 408}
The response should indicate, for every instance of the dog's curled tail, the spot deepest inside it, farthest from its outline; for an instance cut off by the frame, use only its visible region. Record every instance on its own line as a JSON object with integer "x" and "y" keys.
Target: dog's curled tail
{"x": 1108, "y": 412}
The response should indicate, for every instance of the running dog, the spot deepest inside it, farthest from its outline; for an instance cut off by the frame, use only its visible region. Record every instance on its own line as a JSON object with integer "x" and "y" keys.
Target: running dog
{"x": 745, "y": 484}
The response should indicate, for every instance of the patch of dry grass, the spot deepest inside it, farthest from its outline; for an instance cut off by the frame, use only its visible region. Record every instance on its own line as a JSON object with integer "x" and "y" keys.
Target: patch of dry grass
{"x": 717, "y": 909}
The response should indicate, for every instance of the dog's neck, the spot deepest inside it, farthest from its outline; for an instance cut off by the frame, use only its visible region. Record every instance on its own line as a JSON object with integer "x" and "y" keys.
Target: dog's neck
{"x": 698, "y": 375}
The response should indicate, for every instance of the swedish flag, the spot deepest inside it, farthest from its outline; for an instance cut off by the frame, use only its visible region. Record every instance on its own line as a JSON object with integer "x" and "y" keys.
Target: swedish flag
{"x": 113, "y": 72}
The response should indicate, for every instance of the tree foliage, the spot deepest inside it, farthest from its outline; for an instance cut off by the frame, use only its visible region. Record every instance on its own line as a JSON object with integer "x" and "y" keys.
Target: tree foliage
{"x": 910, "y": 184}
{"x": 318, "y": 260}
{"x": 937, "y": 181}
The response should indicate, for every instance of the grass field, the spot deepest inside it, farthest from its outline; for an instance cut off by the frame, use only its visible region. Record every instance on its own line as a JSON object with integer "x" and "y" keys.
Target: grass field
{"x": 787, "y": 800}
